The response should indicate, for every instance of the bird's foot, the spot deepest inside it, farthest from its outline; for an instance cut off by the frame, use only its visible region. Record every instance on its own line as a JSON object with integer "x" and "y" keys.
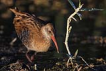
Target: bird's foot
{"x": 32, "y": 66}
{"x": 30, "y": 59}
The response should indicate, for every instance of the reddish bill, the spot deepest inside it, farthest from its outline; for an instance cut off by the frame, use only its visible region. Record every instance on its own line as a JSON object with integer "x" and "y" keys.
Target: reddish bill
{"x": 54, "y": 40}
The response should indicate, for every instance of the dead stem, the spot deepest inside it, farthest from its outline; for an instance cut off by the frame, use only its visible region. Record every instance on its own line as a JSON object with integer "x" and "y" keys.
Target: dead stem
{"x": 68, "y": 32}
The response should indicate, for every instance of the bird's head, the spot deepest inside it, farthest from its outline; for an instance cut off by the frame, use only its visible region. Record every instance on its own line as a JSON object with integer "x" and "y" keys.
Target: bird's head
{"x": 48, "y": 33}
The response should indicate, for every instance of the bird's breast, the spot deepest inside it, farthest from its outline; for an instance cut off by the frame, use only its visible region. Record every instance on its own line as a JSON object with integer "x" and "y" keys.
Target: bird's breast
{"x": 40, "y": 46}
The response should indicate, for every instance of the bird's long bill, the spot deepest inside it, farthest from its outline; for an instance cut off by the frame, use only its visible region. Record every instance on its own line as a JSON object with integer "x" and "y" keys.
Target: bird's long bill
{"x": 54, "y": 40}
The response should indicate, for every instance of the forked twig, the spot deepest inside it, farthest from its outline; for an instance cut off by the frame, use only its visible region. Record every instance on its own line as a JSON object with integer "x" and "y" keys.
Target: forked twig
{"x": 69, "y": 30}
{"x": 70, "y": 60}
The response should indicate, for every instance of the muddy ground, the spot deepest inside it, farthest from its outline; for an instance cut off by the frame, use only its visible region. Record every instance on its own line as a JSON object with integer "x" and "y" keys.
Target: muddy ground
{"x": 48, "y": 62}
{"x": 12, "y": 58}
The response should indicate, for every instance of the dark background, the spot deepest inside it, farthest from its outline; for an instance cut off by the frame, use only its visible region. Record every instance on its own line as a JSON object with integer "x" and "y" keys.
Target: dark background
{"x": 87, "y": 35}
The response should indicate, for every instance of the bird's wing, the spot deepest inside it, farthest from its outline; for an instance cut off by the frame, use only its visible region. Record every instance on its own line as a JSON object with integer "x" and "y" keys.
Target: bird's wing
{"x": 39, "y": 22}
{"x": 23, "y": 34}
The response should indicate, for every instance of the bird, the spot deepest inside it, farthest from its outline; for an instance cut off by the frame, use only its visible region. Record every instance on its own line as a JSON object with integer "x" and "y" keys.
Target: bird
{"x": 35, "y": 33}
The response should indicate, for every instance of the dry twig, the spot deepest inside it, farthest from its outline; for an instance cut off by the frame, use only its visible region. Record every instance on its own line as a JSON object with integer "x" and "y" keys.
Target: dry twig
{"x": 68, "y": 32}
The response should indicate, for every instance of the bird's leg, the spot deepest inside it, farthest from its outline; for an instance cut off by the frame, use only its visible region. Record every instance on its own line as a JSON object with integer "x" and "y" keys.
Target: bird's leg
{"x": 27, "y": 56}
{"x": 33, "y": 56}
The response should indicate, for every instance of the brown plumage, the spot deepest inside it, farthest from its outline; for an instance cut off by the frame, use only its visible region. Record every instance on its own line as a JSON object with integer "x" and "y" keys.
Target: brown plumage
{"x": 34, "y": 33}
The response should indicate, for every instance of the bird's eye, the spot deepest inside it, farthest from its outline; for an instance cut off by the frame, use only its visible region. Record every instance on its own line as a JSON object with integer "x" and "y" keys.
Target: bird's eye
{"x": 49, "y": 31}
